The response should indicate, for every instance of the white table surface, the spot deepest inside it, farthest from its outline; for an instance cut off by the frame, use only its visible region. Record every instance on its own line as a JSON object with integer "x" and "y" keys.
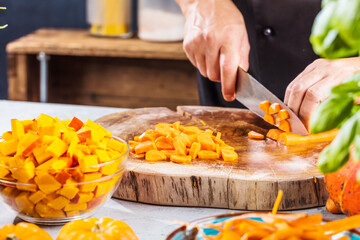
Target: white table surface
{"x": 148, "y": 221}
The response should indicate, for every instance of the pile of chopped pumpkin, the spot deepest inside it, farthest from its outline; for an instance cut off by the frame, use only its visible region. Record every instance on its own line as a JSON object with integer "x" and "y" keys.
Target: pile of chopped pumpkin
{"x": 275, "y": 115}
{"x": 181, "y": 144}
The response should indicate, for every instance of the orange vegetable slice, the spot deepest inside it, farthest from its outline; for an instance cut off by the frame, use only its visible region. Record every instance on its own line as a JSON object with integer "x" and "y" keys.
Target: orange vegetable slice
{"x": 155, "y": 155}
{"x": 274, "y": 134}
{"x": 285, "y": 126}
{"x": 265, "y": 105}
{"x": 282, "y": 115}
{"x": 270, "y": 119}
{"x": 255, "y": 135}
{"x": 180, "y": 159}
{"x": 143, "y": 147}
{"x": 288, "y": 138}
{"x": 274, "y": 108}
{"x": 207, "y": 154}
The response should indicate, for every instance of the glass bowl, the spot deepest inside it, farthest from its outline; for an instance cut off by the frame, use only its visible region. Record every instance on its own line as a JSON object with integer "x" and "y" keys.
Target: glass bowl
{"x": 54, "y": 197}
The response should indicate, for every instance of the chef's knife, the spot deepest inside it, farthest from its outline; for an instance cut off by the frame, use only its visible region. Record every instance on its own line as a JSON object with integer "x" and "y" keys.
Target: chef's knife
{"x": 251, "y": 93}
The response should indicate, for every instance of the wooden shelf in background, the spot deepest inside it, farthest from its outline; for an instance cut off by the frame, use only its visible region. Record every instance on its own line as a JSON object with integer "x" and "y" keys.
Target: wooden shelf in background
{"x": 79, "y": 43}
{"x": 101, "y": 71}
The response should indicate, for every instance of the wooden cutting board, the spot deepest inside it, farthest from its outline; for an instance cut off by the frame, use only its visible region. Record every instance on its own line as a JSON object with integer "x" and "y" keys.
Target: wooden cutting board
{"x": 264, "y": 167}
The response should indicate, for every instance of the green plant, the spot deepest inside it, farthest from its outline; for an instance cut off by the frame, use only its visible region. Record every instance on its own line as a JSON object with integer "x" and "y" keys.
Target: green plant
{"x": 336, "y": 34}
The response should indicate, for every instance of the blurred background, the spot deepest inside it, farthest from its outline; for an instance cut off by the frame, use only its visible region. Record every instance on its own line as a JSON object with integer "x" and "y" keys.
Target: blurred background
{"x": 159, "y": 22}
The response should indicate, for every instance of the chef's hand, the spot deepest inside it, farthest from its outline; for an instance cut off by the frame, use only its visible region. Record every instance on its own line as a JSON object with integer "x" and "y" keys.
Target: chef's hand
{"x": 216, "y": 41}
{"x": 313, "y": 85}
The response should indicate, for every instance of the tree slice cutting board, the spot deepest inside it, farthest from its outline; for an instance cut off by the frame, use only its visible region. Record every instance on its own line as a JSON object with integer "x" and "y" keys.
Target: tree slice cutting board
{"x": 264, "y": 167}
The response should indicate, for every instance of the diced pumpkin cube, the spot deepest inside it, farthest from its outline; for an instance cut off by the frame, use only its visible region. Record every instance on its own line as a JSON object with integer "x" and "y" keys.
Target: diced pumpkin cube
{"x": 44, "y": 120}
{"x": 75, "y": 207}
{"x": 207, "y": 154}
{"x": 59, "y": 203}
{"x": 7, "y": 136}
{"x": 229, "y": 155}
{"x": 206, "y": 141}
{"x": 62, "y": 176}
{"x": 25, "y": 173}
{"x": 180, "y": 146}
{"x": 46, "y": 211}
{"x": 4, "y": 170}
{"x": 61, "y": 163}
{"x": 57, "y": 148}
{"x": 47, "y": 140}
{"x": 274, "y": 108}
{"x": 73, "y": 146}
{"x": 282, "y": 115}
{"x": 265, "y": 105}
{"x": 285, "y": 126}
{"x": 29, "y": 186}
{"x": 27, "y": 124}
{"x": 270, "y": 119}
{"x": 274, "y": 134}
{"x": 69, "y": 136}
{"x": 194, "y": 150}
{"x": 155, "y": 155}
{"x": 41, "y": 155}
{"x": 46, "y": 166}
{"x": 89, "y": 177}
{"x": 23, "y": 203}
{"x": 85, "y": 149}
{"x": 69, "y": 190}
{"x": 102, "y": 155}
{"x": 84, "y": 133}
{"x": 17, "y": 128}
{"x": 110, "y": 168}
{"x": 89, "y": 163}
{"x": 76, "y": 123}
{"x": 116, "y": 145}
{"x": 144, "y": 147}
{"x": 28, "y": 142}
{"x": 88, "y": 187}
{"x": 180, "y": 159}
{"x": 8, "y": 148}
{"x": 37, "y": 197}
{"x": 49, "y": 130}
{"x": 104, "y": 188}
{"x": 83, "y": 197}
{"x": 47, "y": 183}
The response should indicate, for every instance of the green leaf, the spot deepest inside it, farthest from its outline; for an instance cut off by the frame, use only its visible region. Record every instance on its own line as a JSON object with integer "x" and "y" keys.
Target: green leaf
{"x": 350, "y": 87}
{"x": 357, "y": 146}
{"x": 336, "y": 155}
{"x": 324, "y": 2}
{"x": 331, "y": 113}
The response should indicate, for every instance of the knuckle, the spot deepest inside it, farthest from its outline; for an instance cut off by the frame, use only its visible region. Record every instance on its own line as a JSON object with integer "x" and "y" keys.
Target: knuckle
{"x": 209, "y": 37}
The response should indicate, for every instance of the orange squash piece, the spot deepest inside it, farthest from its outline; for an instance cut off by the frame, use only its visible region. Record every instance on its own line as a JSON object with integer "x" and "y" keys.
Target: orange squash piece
{"x": 288, "y": 138}
{"x": 331, "y": 207}
{"x": 180, "y": 159}
{"x": 285, "y": 126}
{"x": 255, "y": 135}
{"x": 194, "y": 150}
{"x": 282, "y": 115}
{"x": 274, "y": 134}
{"x": 265, "y": 105}
{"x": 154, "y": 156}
{"x": 229, "y": 155}
{"x": 274, "y": 108}
{"x": 206, "y": 141}
{"x": 143, "y": 147}
{"x": 270, "y": 119}
{"x": 180, "y": 146}
{"x": 206, "y": 154}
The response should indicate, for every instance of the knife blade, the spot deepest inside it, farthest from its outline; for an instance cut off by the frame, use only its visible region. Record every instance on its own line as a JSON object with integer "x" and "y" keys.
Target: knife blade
{"x": 251, "y": 93}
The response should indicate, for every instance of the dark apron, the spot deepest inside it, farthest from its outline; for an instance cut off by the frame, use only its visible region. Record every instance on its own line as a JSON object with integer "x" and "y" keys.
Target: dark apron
{"x": 279, "y": 32}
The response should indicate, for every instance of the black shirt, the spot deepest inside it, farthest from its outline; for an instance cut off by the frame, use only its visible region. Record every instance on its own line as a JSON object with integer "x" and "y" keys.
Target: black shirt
{"x": 279, "y": 32}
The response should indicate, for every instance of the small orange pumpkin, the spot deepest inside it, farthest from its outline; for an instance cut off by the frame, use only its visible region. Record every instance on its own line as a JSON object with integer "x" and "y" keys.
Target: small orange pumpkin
{"x": 96, "y": 229}
{"x": 23, "y": 231}
{"x": 344, "y": 189}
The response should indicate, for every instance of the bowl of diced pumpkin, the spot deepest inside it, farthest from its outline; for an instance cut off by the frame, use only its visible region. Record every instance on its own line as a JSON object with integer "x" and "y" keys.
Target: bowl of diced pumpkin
{"x": 53, "y": 171}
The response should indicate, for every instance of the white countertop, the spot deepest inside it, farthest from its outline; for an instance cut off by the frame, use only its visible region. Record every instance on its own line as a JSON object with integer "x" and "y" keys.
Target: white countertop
{"x": 150, "y": 222}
